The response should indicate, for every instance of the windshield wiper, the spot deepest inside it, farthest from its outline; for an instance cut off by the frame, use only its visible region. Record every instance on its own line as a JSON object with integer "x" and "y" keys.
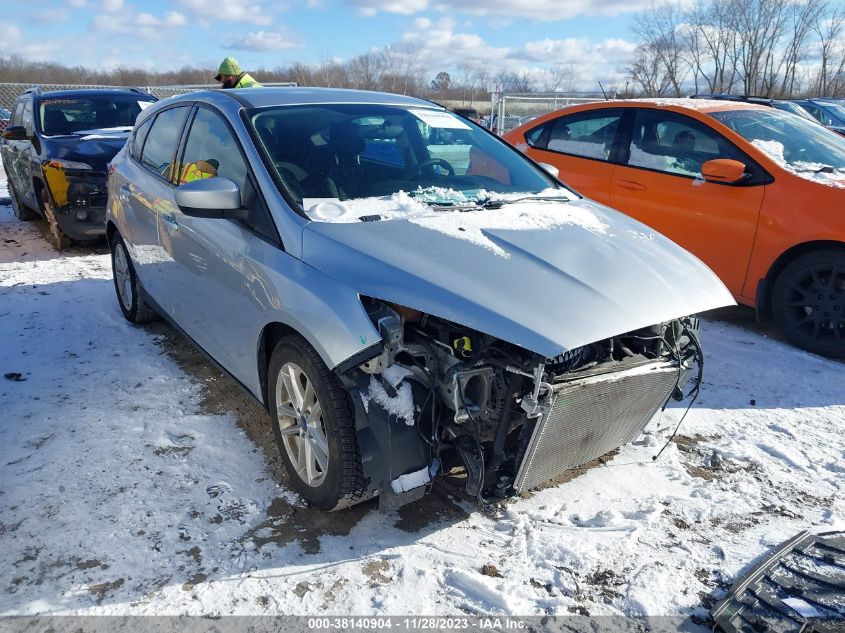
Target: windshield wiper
{"x": 466, "y": 206}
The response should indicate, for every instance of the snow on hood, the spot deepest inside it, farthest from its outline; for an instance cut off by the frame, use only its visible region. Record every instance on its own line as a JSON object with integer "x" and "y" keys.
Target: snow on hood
{"x": 802, "y": 169}
{"x": 472, "y": 226}
{"x": 547, "y": 276}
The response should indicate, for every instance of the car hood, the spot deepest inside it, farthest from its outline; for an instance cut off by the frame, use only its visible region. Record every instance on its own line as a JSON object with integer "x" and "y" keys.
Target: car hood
{"x": 93, "y": 147}
{"x": 545, "y": 285}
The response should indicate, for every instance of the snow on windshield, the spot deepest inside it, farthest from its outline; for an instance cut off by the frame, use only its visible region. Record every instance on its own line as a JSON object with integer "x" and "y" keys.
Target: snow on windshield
{"x": 518, "y": 215}
{"x": 816, "y": 172}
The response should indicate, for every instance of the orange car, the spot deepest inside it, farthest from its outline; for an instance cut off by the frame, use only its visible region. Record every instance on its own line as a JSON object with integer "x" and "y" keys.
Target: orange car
{"x": 756, "y": 193}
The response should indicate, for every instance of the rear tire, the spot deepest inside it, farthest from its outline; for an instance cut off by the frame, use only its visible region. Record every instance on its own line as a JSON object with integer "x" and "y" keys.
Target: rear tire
{"x": 21, "y": 211}
{"x": 127, "y": 286}
{"x": 808, "y": 302}
{"x": 314, "y": 423}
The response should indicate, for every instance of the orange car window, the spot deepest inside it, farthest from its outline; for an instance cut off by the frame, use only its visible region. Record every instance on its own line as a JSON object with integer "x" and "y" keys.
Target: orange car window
{"x": 590, "y": 134}
{"x": 675, "y": 144}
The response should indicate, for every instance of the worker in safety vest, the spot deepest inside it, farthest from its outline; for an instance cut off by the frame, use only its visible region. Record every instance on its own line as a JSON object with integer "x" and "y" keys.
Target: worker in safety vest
{"x": 231, "y": 76}
{"x": 197, "y": 171}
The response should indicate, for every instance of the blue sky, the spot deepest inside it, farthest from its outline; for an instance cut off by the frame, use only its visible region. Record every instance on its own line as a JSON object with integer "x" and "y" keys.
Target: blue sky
{"x": 591, "y": 38}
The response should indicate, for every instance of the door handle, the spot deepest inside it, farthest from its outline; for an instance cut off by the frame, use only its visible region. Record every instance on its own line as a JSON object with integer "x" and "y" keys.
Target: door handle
{"x": 170, "y": 220}
{"x": 631, "y": 185}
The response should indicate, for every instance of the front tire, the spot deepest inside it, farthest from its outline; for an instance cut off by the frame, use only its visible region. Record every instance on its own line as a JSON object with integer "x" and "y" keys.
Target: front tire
{"x": 314, "y": 425}
{"x": 808, "y": 302}
{"x": 127, "y": 286}
{"x": 57, "y": 237}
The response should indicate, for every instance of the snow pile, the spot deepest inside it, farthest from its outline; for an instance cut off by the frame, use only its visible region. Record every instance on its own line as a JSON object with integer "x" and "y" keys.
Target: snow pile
{"x": 579, "y": 148}
{"x": 815, "y": 172}
{"x": 471, "y": 225}
{"x": 401, "y": 405}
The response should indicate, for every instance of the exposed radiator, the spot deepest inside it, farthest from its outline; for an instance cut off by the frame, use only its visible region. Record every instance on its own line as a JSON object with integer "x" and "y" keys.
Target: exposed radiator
{"x": 592, "y": 416}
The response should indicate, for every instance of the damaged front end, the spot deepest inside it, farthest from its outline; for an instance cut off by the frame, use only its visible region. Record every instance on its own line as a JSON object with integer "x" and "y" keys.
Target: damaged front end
{"x": 515, "y": 419}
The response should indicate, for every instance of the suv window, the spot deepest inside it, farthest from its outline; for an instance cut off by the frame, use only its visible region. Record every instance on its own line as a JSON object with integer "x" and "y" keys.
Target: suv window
{"x": 162, "y": 141}
{"x": 26, "y": 119}
{"x": 589, "y": 134}
{"x": 212, "y": 151}
{"x": 17, "y": 116}
{"x": 676, "y": 144}
{"x": 67, "y": 115}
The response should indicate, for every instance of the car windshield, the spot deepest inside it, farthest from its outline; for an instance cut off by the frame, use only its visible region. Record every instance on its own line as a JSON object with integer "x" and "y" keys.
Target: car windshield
{"x": 798, "y": 145}
{"x": 64, "y": 116}
{"x": 341, "y": 153}
{"x": 794, "y": 108}
{"x": 835, "y": 111}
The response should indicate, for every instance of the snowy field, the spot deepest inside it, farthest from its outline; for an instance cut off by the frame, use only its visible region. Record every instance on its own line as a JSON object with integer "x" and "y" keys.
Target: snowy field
{"x": 123, "y": 492}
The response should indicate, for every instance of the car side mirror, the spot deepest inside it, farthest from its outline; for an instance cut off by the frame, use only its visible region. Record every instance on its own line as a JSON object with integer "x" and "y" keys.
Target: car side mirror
{"x": 551, "y": 169}
{"x": 208, "y": 198}
{"x": 723, "y": 170}
{"x": 15, "y": 133}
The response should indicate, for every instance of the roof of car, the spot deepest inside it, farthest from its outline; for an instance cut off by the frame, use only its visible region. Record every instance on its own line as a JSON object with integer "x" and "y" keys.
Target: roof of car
{"x": 262, "y": 97}
{"x": 95, "y": 92}
{"x": 703, "y": 105}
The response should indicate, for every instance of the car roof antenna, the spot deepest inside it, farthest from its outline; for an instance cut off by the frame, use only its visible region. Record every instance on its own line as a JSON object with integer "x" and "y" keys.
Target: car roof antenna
{"x": 603, "y": 92}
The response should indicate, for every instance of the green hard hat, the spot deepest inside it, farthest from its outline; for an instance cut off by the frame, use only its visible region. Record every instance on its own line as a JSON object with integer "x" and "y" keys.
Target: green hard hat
{"x": 228, "y": 66}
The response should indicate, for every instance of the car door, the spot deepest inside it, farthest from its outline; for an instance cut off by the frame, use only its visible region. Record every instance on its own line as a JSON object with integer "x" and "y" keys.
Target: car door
{"x": 220, "y": 298}
{"x": 581, "y": 145}
{"x": 660, "y": 184}
{"x": 21, "y": 155}
{"x": 9, "y": 149}
{"x": 147, "y": 195}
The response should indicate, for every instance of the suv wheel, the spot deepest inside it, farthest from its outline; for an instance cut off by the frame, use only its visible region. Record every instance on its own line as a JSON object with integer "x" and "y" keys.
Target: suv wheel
{"x": 808, "y": 302}
{"x": 127, "y": 286}
{"x": 21, "y": 211}
{"x": 59, "y": 239}
{"x": 314, "y": 424}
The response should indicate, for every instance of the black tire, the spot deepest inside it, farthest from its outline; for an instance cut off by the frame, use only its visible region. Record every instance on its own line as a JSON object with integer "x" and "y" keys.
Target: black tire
{"x": 21, "y": 211}
{"x": 342, "y": 482}
{"x": 808, "y": 302}
{"x": 127, "y": 287}
{"x": 59, "y": 240}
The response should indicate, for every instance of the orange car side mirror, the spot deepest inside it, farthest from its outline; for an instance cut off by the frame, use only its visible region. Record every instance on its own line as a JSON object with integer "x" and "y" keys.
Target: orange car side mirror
{"x": 723, "y": 170}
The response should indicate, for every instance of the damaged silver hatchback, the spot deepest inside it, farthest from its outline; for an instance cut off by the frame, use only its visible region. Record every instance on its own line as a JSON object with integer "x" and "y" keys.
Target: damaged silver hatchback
{"x": 400, "y": 289}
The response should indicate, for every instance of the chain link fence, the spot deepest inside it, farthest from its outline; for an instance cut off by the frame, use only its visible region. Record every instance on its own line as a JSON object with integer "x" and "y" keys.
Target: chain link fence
{"x": 11, "y": 91}
{"x": 512, "y": 110}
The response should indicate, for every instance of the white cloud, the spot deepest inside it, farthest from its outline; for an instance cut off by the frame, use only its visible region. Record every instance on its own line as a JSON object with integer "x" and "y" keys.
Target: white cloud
{"x": 263, "y": 41}
{"x": 142, "y": 25}
{"x": 227, "y": 11}
{"x": 111, "y": 6}
{"x": 77, "y": 4}
{"x": 10, "y": 35}
{"x": 539, "y": 10}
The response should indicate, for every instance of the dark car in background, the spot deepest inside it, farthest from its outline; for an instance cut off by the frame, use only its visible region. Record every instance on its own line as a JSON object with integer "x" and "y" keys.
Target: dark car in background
{"x": 56, "y": 150}
{"x": 778, "y": 104}
{"x": 829, "y": 112}
{"x": 4, "y": 118}
{"x": 468, "y": 113}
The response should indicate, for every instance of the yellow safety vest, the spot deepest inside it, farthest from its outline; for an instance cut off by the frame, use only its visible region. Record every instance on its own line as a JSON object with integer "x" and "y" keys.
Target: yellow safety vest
{"x": 196, "y": 171}
{"x": 246, "y": 81}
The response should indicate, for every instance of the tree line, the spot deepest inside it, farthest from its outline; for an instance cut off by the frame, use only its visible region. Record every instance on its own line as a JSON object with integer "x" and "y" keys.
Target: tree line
{"x": 769, "y": 48}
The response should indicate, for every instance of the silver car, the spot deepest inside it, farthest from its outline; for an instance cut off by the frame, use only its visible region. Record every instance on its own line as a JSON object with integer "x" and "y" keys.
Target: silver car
{"x": 400, "y": 289}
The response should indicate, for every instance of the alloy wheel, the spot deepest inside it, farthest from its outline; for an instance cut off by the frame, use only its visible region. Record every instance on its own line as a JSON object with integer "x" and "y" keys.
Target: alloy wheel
{"x": 123, "y": 277}
{"x": 301, "y": 424}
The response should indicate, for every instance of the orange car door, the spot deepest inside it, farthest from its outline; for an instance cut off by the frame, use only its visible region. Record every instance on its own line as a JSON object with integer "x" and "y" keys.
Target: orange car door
{"x": 660, "y": 184}
{"x": 579, "y": 145}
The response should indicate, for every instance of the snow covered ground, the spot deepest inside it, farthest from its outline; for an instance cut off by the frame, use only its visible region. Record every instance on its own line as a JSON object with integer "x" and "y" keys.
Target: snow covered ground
{"x": 121, "y": 492}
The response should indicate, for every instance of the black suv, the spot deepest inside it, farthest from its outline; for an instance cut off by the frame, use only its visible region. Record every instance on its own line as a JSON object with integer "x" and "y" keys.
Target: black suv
{"x": 56, "y": 150}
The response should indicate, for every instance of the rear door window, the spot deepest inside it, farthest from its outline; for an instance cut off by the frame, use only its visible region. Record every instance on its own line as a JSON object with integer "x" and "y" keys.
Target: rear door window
{"x": 137, "y": 142}
{"x": 588, "y": 134}
{"x": 163, "y": 140}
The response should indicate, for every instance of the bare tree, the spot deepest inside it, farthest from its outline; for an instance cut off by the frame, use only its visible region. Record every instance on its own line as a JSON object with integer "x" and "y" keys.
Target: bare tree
{"x": 661, "y": 30}
{"x": 829, "y": 29}
{"x": 648, "y": 71}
